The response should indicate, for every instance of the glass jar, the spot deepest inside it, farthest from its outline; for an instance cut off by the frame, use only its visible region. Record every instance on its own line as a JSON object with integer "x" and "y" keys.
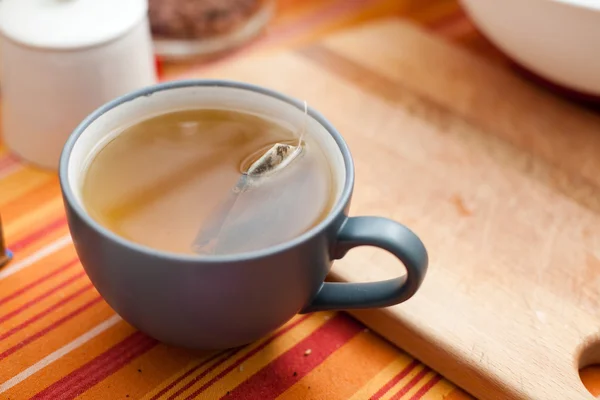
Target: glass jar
{"x": 193, "y": 28}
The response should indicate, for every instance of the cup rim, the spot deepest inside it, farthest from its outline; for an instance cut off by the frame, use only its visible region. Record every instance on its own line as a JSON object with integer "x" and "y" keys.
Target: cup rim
{"x": 336, "y": 210}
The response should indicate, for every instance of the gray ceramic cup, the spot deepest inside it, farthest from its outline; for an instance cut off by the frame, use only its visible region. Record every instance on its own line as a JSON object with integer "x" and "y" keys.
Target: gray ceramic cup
{"x": 216, "y": 302}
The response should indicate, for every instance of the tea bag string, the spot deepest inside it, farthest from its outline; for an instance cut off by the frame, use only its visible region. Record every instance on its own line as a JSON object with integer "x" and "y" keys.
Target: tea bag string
{"x": 285, "y": 153}
{"x": 303, "y": 132}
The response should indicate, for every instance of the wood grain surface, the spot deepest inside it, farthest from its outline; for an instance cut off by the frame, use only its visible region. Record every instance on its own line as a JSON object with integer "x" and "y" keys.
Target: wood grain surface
{"x": 499, "y": 178}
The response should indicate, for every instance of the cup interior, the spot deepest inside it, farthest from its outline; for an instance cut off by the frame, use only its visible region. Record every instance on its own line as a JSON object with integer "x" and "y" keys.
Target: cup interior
{"x": 109, "y": 121}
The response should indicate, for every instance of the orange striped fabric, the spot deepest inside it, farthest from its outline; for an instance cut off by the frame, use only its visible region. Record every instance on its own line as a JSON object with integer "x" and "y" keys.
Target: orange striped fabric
{"x": 60, "y": 340}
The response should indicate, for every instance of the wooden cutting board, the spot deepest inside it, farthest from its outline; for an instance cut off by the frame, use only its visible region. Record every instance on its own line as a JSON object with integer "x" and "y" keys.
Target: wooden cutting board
{"x": 500, "y": 179}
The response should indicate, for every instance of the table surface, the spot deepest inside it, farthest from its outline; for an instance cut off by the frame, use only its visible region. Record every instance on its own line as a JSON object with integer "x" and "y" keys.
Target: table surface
{"x": 59, "y": 340}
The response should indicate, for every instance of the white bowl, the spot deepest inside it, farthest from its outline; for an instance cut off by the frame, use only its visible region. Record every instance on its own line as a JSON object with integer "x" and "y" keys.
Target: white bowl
{"x": 559, "y": 40}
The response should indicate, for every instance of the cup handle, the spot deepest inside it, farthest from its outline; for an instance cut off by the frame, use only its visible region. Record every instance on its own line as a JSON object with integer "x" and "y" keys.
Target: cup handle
{"x": 385, "y": 234}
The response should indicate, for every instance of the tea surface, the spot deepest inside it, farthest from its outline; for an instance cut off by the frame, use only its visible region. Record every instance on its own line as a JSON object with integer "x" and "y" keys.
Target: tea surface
{"x": 159, "y": 182}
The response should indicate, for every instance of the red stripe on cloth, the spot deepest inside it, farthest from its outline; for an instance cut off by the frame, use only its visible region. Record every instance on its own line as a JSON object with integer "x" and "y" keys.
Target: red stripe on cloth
{"x": 40, "y": 233}
{"x": 45, "y": 312}
{"x": 38, "y": 281}
{"x": 392, "y": 382}
{"x": 42, "y": 296}
{"x": 49, "y": 328}
{"x": 233, "y": 366}
{"x": 7, "y": 161}
{"x": 410, "y": 384}
{"x": 4, "y": 161}
{"x": 158, "y": 65}
{"x": 426, "y": 387}
{"x": 445, "y": 20}
{"x": 224, "y": 356}
{"x": 293, "y": 365}
{"x": 306, "y": 24}
{"x": 98, "y": 369}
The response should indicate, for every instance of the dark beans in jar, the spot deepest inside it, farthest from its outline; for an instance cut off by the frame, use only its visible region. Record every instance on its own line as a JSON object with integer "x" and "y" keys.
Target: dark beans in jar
{"x": 197, "y": 19}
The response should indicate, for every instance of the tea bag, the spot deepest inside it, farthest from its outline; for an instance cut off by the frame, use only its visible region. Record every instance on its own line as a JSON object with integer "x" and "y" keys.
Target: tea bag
{"x": 272, "y": 162}
{"x": 276, "y": 158}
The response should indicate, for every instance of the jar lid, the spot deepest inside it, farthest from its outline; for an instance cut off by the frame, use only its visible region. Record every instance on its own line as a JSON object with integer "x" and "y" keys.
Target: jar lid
{"x": 68, "y": 24}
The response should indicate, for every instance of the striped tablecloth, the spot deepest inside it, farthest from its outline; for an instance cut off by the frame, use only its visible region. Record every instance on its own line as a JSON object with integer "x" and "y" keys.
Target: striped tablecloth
{"x": 60, "y": 340}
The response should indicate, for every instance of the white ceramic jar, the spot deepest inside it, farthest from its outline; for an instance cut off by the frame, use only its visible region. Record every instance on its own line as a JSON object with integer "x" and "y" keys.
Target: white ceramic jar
{"x": 61, "y": 59}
